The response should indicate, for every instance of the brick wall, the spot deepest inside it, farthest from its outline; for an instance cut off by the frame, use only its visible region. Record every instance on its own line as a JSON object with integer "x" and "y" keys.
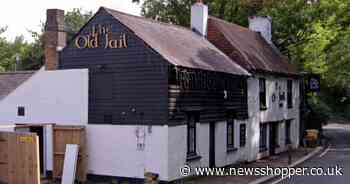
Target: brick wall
{"x": 55, "y": 37}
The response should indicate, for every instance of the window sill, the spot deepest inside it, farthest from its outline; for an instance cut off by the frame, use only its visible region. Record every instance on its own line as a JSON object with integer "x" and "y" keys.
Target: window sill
{"x": 193, "y": 157}
{"x": 231, "y": 149}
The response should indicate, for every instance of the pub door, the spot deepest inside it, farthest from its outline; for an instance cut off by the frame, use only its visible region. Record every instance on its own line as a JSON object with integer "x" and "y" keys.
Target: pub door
{"x": 212, "y": 144}
{"x": 273, "y": 137}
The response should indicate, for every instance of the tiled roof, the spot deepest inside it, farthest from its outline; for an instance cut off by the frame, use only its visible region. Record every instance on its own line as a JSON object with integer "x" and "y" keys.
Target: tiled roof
{"x": 9, "y": 81}
{"x": 249, "y": 49}
{"x": 178, "y": 45}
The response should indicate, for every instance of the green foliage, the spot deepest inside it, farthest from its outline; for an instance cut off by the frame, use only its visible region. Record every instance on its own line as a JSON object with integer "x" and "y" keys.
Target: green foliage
{"x": 346, "y": 112}
{"x": 178, "y": 11}
{"x": 32, "y": 54}
{"x": 75, "y": 20}
{"x": 320, "y": 108}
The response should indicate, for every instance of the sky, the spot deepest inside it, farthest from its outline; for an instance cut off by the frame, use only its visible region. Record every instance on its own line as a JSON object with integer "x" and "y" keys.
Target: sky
{"x": 22, "y": 15}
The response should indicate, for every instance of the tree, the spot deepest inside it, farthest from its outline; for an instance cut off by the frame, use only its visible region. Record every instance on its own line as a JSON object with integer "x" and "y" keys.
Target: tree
{"x": 32, "y": 54}
{"x": 75, "y": 20}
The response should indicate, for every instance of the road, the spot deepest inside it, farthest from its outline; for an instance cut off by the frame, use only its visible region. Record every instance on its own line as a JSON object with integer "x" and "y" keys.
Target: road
{"x": 338, "y": 153}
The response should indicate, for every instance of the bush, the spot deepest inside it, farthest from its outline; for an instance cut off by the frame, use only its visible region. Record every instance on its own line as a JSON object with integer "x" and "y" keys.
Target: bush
{"x": 319, "y": 113}
{"x": 346, "y": 112}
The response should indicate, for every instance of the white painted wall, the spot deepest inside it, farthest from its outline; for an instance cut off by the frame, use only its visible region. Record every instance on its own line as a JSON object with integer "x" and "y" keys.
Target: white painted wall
{"x": 222, "y": 157}
{"x": 61, "y": 97}
{"x": 7, "y": 128}
{"x": 178, "y": 134}
{"x": 113, "y": 151}
{"x": 272, "y": 114}
{"x": 178, "y": 147}
{"x": 49, "y": 97}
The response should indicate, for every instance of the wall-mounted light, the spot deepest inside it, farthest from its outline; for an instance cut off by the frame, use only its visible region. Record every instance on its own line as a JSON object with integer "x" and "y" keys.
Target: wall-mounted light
{"x": 225, "y": 94}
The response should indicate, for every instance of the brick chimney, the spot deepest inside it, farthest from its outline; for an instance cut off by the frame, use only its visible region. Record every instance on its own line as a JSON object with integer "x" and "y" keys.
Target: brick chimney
{"x": 199, "y": 18}
{"x": 262, "y": 24}
{"x": 54, "y": 38}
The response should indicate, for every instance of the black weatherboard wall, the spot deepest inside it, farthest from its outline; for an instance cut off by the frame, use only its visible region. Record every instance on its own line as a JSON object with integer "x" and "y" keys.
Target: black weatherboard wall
{"x": 127, "y": 85}
{"x": 214, "y": 95}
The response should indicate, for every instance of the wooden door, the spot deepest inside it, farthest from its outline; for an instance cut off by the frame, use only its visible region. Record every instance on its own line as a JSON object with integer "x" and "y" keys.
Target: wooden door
{"x": 19, "y": 158}
{"x": 63, "y": 135}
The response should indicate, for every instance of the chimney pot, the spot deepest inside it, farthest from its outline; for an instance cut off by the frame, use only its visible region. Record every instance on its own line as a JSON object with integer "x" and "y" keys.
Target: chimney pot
{"x": 199, "y": 18}
{"x": 262, "y": 24}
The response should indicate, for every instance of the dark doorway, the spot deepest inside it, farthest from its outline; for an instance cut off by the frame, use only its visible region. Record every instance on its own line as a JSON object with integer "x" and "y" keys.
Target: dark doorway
{"x": 40, "y": 133}
{"x": 212, "y": 144}
{"x": 273, "y": 137}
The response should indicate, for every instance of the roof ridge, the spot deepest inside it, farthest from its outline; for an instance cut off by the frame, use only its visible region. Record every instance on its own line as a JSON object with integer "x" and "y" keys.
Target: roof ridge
{"x": 17, "y": 72}
{"x": 192, "y": 60}
{"x": 257, "y": 53}
{"x": 148, "y": 19}
{"x": 231, "y": 23}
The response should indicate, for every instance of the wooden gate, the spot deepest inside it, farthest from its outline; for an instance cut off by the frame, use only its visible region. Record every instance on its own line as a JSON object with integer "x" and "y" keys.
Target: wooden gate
{"x": 63, "y": 135}
{"x": 19, "y": 158}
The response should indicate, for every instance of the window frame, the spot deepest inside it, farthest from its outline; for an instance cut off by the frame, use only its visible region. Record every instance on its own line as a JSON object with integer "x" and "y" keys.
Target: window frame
{"x": 263, "y": 137}
{"x": 230, "y": 127}
{"x": 192, "y": 120}
{"x": 242, "y": 138}
{"x": 262, "y": 94}
{"x": 288, "y": 132}
{"x": 21, "y": 111}
{"x": 290, "y": 94}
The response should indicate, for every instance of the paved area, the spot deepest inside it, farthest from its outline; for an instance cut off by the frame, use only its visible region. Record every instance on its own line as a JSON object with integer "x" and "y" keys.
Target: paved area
{"x": 338, "y": 153}
{"x": 280, "y": 160}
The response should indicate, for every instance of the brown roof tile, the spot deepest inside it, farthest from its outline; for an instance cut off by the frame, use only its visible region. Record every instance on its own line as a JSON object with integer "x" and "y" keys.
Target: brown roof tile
{"x": 179, "y": 45}
{"x": 249, "y": 49}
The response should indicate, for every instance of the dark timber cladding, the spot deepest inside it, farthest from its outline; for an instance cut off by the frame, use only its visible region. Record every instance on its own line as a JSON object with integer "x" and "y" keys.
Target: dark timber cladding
{"x": 213, "y": 94}
{"x": 124, "y": 83}
{"x": 131, "y": 61}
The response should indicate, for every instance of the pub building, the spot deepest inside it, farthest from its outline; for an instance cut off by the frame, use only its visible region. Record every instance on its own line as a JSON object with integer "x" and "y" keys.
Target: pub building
{"x": 155, "y": 96}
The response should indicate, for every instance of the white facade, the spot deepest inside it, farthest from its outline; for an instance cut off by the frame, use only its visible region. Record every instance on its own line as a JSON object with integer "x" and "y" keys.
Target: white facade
{"x": 274, "y": 113}
{"x": 250, "y": 152}
{"x": 49, "y": 97}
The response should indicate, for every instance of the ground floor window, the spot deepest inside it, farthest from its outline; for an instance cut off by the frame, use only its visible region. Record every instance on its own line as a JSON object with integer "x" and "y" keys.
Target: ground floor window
{"x": 277, "y": 134}
{"x": 230, "y": 130}
{"x": 230, "y": 134}
{"x": 242, "y": 135}
{"x": 263, "y": 137}
{"x": 287, "y": 133}
{"x": 192, "y": 120}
